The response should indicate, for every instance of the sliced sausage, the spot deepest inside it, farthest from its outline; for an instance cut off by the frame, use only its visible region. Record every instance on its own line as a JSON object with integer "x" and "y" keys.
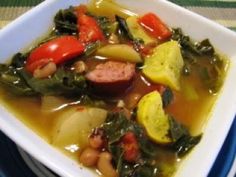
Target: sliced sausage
{"x": 111, "y": 77}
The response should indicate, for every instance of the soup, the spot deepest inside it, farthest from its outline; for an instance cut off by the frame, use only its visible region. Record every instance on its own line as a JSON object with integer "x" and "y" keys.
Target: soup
{"x": 122, "y": 94}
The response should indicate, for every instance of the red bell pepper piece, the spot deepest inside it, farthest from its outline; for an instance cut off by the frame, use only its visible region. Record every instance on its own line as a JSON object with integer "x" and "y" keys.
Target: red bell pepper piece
{"x": 154, "y": 26}
{"x": 130, "y": 146}
{"x": 56, "y": 50}
{"x": 89, "y": 30}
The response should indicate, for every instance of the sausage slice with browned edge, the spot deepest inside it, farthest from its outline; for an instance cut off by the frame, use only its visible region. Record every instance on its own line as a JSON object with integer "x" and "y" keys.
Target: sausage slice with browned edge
{"x": 111, "y": 77}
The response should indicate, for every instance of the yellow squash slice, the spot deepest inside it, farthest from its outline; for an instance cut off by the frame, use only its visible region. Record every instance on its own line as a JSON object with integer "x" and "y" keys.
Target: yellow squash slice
{"x": 164, "y": 66}
{"x": 151, "y": 115}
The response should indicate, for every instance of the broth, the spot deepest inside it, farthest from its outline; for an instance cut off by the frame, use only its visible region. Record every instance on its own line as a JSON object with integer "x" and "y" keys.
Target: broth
{"x": 186, "y": 113}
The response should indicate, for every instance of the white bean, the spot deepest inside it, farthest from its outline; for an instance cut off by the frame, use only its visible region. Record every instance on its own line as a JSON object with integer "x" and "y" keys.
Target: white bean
{"x": 45, "y": 71}
{"x": 96, "y": 141}
{"x": 113, "y": 39}
{"x": 104, "y": 165}
{"x": 79, "y": 67}
{"x": 89, "y": 157}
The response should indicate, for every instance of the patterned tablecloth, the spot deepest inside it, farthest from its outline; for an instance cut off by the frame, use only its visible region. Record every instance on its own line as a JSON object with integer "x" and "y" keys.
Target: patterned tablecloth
{"x": 221, "y": 11}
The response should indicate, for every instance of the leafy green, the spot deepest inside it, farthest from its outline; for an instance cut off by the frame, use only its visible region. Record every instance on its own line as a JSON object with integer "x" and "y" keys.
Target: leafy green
{"x": 18, "y": 60}
{"x": 88, "y": 101}
{"x": 200, "y": 57}
{"x": 21, "y": 82}
{"x": 115, "y": 127}
{"x": 183, "y": 141}
{"x": 60, "y": 83}
{"x": 201, "y": 48}
{"x": 185, "y": 144}
{"x": 167, "y": 97}
{"x": 104, "y": 23}
{"x": 11, "y": 77}
{"x": 123, "y": 29}
{"x": 177, "y": 130}
{"x": 91, "y": 48}
{"x": 145, "y": 170}
{"x": 66, "y": 22}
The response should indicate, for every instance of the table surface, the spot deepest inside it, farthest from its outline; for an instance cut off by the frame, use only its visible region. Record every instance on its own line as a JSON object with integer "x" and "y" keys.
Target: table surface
{"x": 221, "y": 11}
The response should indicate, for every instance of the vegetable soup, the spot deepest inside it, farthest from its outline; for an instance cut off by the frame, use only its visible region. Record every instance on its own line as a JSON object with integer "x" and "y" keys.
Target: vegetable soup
{"x": 123, "y": 94}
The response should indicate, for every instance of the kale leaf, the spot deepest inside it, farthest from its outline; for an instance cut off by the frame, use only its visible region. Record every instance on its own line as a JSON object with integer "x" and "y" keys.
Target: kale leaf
{"x": 115, "y": 127}
{"x": 183, "y": 141}
{"x": 201, "y": 48}
{"x": 123, "y": 29}
{"x": 63, "y": 82}
{"x": 167, "y": 97}
{"x": 177, "y": 130}
{"x": 11, "y": 76}
{"x": 196, "y": 56}
{"x": 105, "y": 24}
{"x": 66, "y": 22}
{"x": 185, "y": 144}
{"x": 91, "y": 48}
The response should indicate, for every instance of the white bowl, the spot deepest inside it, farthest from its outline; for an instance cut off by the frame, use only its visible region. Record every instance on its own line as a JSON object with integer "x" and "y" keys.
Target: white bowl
{"x": 22, "y": 32}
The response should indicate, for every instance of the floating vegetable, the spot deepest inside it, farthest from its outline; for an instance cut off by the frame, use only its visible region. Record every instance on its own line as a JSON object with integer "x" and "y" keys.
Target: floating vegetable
{"x": 89, "y": 30}
{"x": 151, "y": 115}
{"x": 57, "y": 50}
{"x": 154, "y": 26}
{"x": 75, "y": 124}
{"x": 137, "y": 30}
{"x": 108, "y": 8}
{"x": 165, "y": 65}
{"x": 120, "y": 52}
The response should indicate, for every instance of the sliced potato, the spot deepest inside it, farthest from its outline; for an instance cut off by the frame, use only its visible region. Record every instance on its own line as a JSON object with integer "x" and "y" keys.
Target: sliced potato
{"x": 151, "y": 115}
{"x": 165, "y": 65}
{"x": 120, "y": 52}
{"x": 75, "y": 125}
{"x": 137, "y": 31}
{"x": 108, "y": 8}
{"x": 53, "y": 103}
